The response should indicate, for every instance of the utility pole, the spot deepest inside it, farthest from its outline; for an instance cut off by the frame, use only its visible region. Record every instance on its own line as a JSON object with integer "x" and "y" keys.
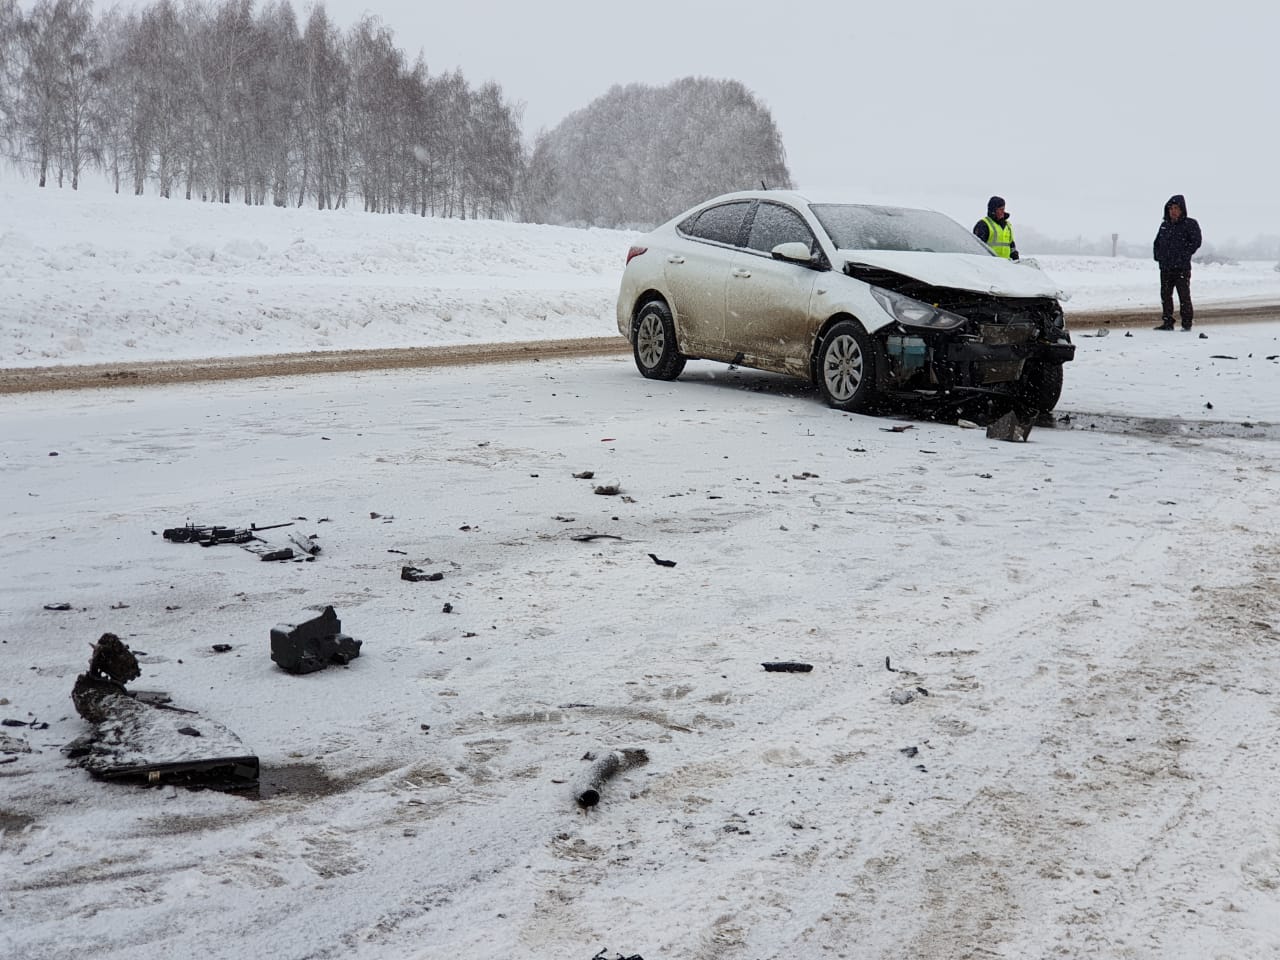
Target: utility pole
{"x": 1115, "y": 241}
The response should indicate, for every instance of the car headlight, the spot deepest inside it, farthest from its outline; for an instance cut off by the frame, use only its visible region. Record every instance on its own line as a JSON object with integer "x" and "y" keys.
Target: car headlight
{"x": 915, "y": 313}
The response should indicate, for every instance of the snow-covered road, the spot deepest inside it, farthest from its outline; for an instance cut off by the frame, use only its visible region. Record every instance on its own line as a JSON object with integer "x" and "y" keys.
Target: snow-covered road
{"x": 1087, "y": 623}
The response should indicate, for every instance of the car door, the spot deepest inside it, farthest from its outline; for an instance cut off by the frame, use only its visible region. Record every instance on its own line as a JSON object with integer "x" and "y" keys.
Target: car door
{"x": 768, "y": 302}
{"x": 696, "y": 271}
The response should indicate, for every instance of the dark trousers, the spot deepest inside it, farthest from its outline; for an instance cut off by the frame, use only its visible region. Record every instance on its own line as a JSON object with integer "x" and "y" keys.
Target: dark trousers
{"x": 1178, "y": 278}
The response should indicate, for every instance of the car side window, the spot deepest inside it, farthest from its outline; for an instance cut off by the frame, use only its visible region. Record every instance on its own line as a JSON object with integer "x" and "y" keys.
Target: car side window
{"x": 775, "y": 224}
{"x": 721, "y": 224}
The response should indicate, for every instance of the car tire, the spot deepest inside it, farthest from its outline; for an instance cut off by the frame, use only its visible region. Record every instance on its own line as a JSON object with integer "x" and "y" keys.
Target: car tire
{"x": 845, "y": 367}
{"x": 1041, "y": 386}
{"x": 654, "y": 342}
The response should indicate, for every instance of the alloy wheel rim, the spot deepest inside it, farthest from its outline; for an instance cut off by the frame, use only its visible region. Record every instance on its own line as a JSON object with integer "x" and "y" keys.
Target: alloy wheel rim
{"x": 651, "y": 340}
{"x": 842, "y": 367}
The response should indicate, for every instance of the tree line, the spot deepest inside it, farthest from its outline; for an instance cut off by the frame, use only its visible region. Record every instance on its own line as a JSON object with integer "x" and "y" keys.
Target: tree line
{"x": 219, "y": 101}
{"x": 224, "y": 101}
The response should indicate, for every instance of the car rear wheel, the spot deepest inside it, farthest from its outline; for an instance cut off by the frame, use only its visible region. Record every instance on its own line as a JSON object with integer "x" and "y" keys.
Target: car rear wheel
{"x": 846, "y": 367}
{"x": 654, "y": 343}
{"x": 1041, "y": 386}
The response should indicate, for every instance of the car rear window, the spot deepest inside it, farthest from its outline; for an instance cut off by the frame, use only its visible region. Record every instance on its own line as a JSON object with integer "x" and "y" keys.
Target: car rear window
{"x": 857, "y": 227}
{"x": 722, "y": 224}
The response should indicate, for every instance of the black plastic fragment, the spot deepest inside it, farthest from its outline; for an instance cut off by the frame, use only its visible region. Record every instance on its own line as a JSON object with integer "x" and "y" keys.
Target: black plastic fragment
{"x": 787, "y": 666}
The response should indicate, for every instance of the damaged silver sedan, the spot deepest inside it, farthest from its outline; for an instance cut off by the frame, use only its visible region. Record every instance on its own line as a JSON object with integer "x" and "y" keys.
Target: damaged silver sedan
{"x": 867, "y": 302}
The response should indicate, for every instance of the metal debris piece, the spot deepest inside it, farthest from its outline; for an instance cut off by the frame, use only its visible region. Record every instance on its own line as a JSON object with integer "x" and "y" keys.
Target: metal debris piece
{"x": 133, "y": 740}
{"x": 313, "y": 644}
{"x": 587, "y": 793}
{"x": 585, "y": 475}
{"x": 417, "y": 575}
{"x": 787, "y": 666}
{"x": 57, "y": 606}
{"x": 661, "y": 563}
{"x": 1009, "y": 427}
{"x": 608, "y": 490}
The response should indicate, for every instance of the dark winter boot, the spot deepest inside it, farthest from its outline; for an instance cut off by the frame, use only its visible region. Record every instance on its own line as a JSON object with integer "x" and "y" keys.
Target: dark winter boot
{"x": 1186, "y": 324}
{"x": 1166, "y": 324}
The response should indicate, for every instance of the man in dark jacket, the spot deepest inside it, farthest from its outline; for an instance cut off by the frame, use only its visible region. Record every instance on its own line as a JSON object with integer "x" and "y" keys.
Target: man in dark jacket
{"x": 1177, "y": 240}
{"x": 995, "y": 232}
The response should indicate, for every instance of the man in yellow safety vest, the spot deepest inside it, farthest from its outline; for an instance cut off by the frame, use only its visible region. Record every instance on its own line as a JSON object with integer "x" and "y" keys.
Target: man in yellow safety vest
{"x": 995, "y": 232}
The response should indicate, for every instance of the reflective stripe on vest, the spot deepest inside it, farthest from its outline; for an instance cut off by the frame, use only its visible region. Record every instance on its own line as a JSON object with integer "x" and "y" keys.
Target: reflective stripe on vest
{"x": 999, "y": 239}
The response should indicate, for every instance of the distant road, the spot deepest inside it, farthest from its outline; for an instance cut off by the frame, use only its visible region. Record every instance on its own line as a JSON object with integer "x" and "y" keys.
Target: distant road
{"x": 77, "y": 377}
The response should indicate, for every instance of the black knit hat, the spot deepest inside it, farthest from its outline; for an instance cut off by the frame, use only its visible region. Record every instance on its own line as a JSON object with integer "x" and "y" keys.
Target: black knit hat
{"x": 994, "y": 204}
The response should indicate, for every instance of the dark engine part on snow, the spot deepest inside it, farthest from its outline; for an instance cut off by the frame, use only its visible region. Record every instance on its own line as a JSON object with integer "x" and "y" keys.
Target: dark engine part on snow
{"x": 313, "y": 644}
{"x": 587, "y": 791}
{"x": 145, "y": 741}
{"x": 417, "y": 575}
{"x": 211, "y": 535}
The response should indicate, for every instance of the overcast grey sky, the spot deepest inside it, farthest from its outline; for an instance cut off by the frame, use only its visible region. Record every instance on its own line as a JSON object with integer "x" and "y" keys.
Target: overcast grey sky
{"x": 1084, "y": 115}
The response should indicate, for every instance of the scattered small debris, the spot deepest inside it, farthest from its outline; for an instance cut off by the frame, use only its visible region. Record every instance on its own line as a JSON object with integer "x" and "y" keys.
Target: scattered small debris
{"x": 119, "y": 606}
{"x": 804, "y": 476}
{"x": 1128, "y": 333}
{"x": 607, "y": 490}
{"x": 661, "y": 563}
{"x": 1221, "y": 356}
{"x": 313, "y": 644}
{"x": 284, "y": 553}
{"x": 588, "y": 537}
{"x": 57, "y": 606}
{"x": 984, "y": 476}
{"x": 909, "y": 751}
{"x": 1208, "y": 406}
{"x": 222, "y": 648}
{"x": 584, "y": 475}
{"x": 889, "y": 668}
{"x": 587, "y": 793}
{"x": 787, "y": 666}
{"x": 447, "y": 608}
{"x": 617, "y": 956}
{"x": 902, "y": 696}
{"x": 899, "y": 428}
{"x": 189, "y": 732}
{"x": 1204, "y": 336}
{"x": 415, "y": 575}
{"x": 922, "y": 691}
{"x": 403, "y": 553}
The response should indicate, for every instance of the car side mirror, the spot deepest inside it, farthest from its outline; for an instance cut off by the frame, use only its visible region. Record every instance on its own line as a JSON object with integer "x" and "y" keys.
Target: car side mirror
{"x": 794, "y": 251}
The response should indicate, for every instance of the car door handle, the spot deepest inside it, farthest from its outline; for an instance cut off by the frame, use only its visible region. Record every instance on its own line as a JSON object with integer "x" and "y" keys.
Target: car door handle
{"x": 675, "y": 259}
{"x": 739, "y": 272}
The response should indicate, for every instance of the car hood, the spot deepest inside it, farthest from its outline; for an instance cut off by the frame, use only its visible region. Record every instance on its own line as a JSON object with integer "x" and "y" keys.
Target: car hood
{"x": 960, "y": 271}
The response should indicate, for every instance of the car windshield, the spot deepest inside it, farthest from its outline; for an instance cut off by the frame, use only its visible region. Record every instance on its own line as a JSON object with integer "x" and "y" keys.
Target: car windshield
{"x": 858, "y": 227}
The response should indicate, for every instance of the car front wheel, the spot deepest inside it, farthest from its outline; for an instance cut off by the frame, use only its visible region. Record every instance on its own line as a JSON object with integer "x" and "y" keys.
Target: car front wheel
{"x": 654, "y": 343}
{"x": 1041, "y": 385}
{"x": 846, "y": 368}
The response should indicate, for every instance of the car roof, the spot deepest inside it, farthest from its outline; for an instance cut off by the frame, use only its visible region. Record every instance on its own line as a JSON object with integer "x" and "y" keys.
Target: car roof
{"x": 798, "y": 198}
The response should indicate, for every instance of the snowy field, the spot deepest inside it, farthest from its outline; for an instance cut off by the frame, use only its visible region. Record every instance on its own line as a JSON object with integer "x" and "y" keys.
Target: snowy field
{"x": 93, "y": 277}
{"x": 1075, "y": 753}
